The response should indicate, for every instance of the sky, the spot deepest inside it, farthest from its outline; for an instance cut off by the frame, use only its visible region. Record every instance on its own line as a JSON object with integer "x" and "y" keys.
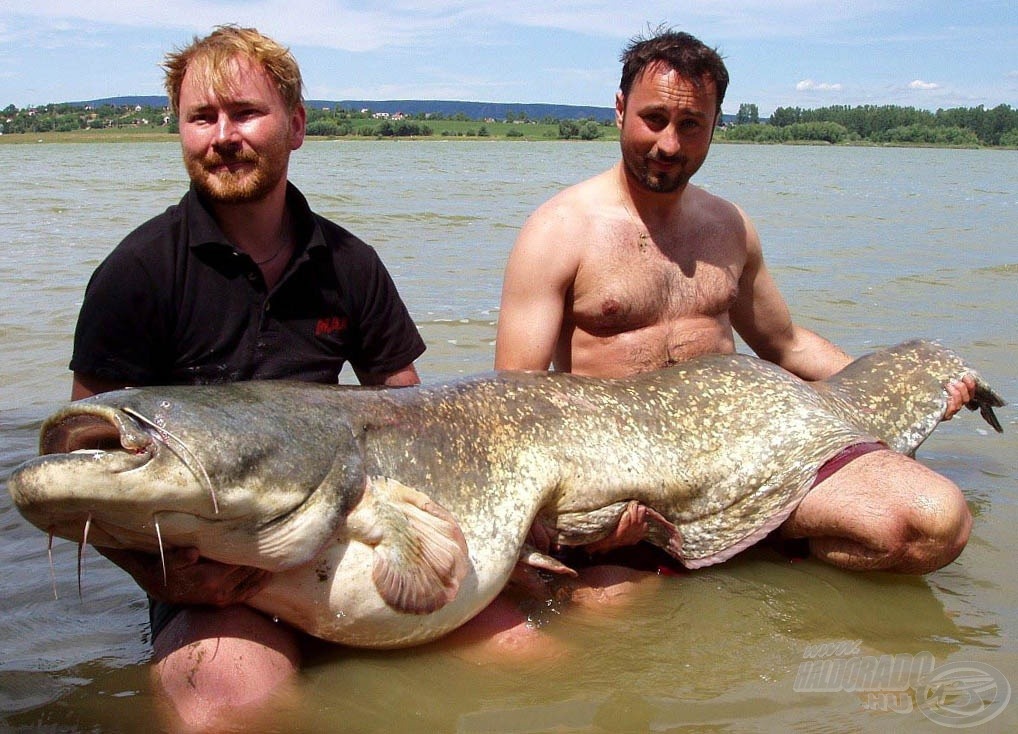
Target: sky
{"x": 927, "y": 54}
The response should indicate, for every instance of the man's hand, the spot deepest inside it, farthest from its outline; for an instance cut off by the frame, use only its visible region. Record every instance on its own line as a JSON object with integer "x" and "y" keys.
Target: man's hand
{"x": 632, "y": 529}
{"x": 958, "y": 394}
{"x": 190, "y": 579}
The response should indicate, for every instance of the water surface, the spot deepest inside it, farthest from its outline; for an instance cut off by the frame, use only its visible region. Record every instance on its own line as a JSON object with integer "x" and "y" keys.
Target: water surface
{"x": 870, "y": 246}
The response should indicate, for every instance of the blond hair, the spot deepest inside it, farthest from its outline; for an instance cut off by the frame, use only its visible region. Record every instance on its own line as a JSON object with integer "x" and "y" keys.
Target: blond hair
{"x": 210, "y": 58}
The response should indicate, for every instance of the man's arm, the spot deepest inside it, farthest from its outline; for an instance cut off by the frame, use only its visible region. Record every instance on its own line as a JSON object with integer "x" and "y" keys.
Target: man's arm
{"x": 763, "y": 320}
{"x": 540, "y": 271}
{"x": 85, "y": 386}
{"x": 403, "y": 377}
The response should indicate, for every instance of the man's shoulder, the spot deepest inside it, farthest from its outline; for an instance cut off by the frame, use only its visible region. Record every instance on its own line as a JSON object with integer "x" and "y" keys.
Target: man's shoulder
{"x": 324, "y": 234}
{"x": 713, "y": 213}
{"x": 591, "y": 192}
{"x": 162, "y": 232}
{"x": 338, "y": 240}
{"x": 578, "y": 205}
{"x": 347, "y": 256}
{"x": 712, "y": 205}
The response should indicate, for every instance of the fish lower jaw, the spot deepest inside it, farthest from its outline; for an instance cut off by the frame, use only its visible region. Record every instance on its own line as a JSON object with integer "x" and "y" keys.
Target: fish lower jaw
{"x": 105, "y": 535}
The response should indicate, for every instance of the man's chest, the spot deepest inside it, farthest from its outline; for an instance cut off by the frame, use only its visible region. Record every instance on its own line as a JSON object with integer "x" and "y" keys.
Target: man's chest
{"x": 238, "y": 330}
{"x": 624, "y": 296}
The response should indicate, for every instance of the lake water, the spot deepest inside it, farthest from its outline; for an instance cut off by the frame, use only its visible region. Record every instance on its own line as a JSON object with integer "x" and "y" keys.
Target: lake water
{"x": 870, "y": 246}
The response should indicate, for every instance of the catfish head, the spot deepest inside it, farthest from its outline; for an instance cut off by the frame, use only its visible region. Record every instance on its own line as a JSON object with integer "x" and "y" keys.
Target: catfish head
{"x": 256, "y": 473}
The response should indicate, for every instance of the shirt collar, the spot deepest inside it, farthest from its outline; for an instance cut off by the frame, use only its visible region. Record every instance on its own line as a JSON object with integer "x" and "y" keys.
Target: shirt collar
{"x": 202, "y": 228}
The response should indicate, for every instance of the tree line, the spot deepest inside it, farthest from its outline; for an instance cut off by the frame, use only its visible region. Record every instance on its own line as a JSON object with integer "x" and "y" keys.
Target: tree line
{"x": 887, "y": 124}
{"x": 341, "y": 123}
{"x": 62, "y": 118}
{"x": 321, "y": 121}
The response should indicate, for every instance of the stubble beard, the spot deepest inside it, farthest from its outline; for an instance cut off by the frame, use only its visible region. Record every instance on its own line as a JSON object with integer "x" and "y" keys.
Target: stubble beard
{"x": 638, "y": 166}
{"x": 659, "y": 183}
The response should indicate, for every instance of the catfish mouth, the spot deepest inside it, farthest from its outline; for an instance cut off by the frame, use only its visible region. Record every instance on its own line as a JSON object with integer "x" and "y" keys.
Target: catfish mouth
{"x": 83, "y": 432}
{"x": 123, "y": 439}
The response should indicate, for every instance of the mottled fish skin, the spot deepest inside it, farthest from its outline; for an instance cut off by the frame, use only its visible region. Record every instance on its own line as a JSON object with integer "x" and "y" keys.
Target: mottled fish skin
{"x": 897, "y": 393}
{"x": 391, "y": 516}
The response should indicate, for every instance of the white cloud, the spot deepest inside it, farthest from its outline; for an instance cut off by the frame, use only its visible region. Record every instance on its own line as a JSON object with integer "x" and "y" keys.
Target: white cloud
{"x": 309, "y": 22}
{"x": 808, "y": 85}
{"x": 354, "y": 25}
{"x": 428, "y": 43}
{"x": 920, "y": 84}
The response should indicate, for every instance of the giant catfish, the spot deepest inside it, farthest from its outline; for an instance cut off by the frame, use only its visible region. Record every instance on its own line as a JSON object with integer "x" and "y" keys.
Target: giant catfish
{"x": 389, "y": 517}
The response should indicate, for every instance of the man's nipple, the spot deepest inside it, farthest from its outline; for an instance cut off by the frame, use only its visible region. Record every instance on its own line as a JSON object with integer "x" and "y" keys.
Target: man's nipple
{"x": 610, "y": 307}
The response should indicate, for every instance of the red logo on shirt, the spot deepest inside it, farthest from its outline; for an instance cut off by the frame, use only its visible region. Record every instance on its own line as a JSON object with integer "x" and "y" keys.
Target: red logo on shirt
{"x": 331, "y": 325}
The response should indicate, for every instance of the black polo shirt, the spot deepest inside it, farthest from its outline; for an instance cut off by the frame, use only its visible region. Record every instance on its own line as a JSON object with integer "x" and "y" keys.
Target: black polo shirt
{"x": 176, "y": 303}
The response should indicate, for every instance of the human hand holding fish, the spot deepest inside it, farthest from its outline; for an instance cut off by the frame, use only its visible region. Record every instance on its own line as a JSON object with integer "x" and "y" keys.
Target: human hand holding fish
{"x": 959, "y": 394}
{"x": 183, "y": 576}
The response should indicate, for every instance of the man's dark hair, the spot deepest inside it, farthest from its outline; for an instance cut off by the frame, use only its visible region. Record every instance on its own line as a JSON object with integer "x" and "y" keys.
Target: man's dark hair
{"x": 686, "y": 54}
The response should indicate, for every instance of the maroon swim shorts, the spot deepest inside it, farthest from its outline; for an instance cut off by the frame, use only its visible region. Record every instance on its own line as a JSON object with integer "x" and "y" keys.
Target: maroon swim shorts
{"x": 846, "y": 455}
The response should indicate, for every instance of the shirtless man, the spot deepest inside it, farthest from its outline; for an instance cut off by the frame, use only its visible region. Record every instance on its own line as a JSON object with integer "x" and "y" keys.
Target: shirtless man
{"x": 637, "y": 269}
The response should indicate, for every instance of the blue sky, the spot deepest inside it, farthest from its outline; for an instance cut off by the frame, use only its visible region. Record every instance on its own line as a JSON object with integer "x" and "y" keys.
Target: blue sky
{"x": 780, "y": 53}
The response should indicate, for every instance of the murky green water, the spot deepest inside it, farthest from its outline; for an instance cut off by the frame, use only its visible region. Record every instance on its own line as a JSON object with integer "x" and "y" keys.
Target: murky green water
{"x": 870, "y": 246}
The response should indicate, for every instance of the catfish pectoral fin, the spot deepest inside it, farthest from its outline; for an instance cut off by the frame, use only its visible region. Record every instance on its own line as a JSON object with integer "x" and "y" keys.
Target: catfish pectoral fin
{"x": 420, "y": 552}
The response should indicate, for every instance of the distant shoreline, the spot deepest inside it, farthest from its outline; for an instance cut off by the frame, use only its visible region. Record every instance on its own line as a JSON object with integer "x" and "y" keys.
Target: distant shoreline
{"x": 158, "y": 136}
{"x": 146, "y": 136}
{"x": 90, "y": 136}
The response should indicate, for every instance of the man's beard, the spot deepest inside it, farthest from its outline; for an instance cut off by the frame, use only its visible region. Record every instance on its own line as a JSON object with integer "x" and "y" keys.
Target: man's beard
{"x": 228, "y": 187}
{"x": 657, "y": 181}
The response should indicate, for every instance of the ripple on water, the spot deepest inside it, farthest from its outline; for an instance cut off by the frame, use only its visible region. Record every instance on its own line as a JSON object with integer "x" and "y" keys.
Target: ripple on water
{"x": 870, "y": 246}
